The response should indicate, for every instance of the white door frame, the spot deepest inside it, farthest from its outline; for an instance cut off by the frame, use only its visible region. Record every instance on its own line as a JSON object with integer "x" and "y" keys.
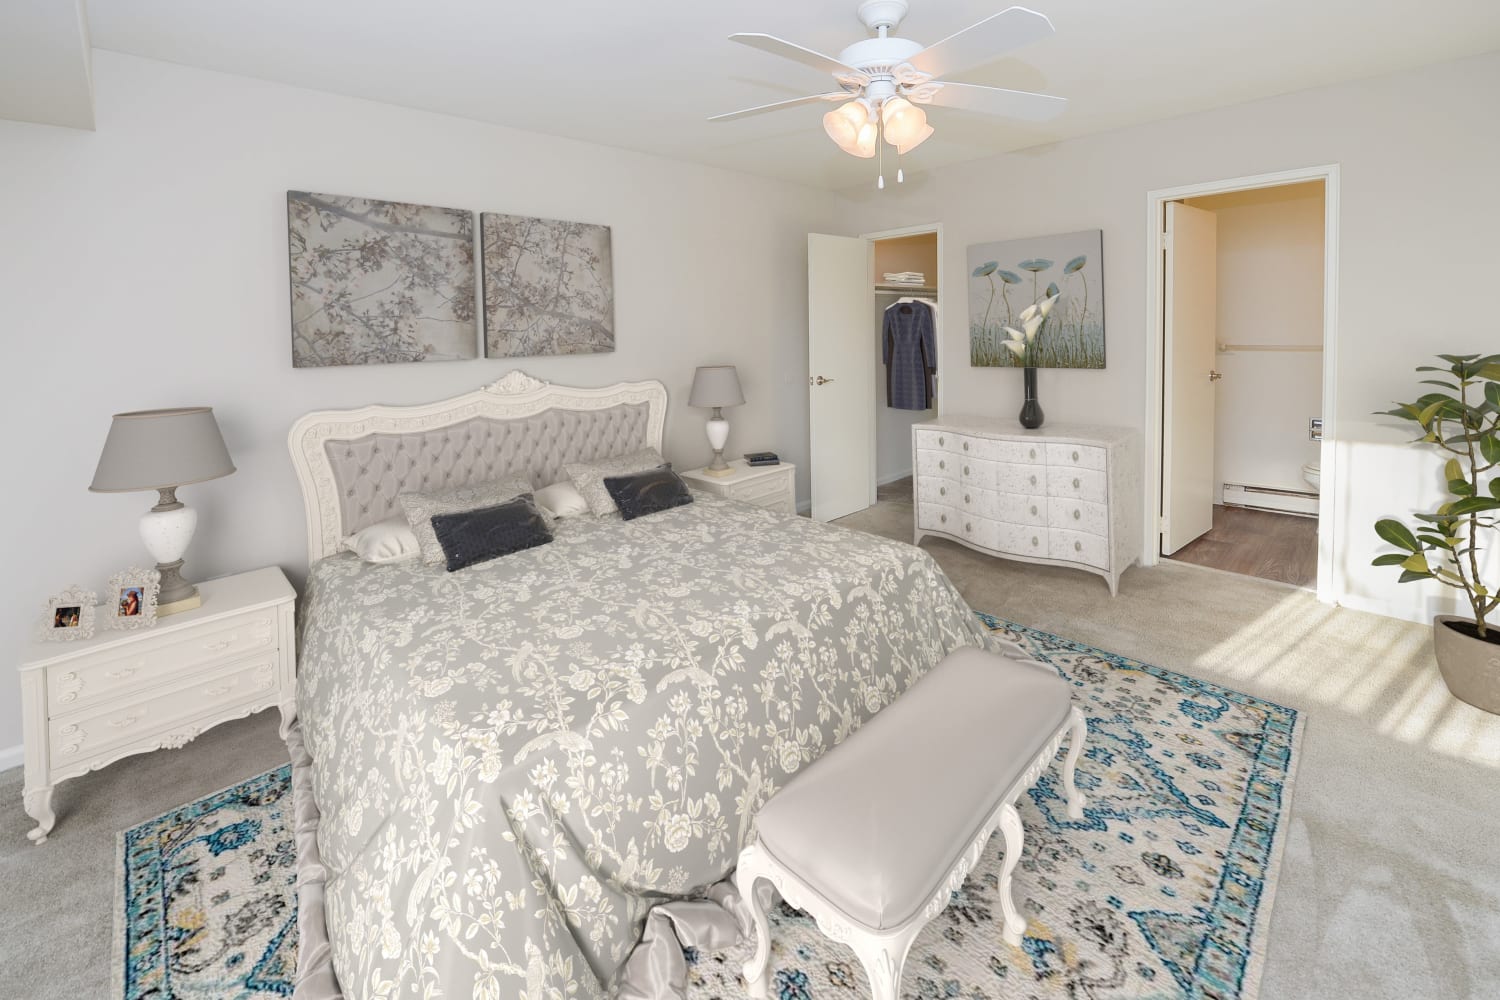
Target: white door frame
{"x": 886, "y": 234}
{"x": 1155, "y": 213}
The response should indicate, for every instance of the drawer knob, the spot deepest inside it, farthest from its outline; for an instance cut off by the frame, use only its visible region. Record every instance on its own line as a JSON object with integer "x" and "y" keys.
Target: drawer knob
{"x": 1033, "y": 453}
{"x": 943, "y": 518}
{"x": 214, "y": 692}
{"x": 942, "y": 464}
{"x": 1033, "y": 480}
{"x": 967, "y": 499}
{"x": 1077, "y": 515}
{"x": 942, "y": 491}
{"x": 1033, "y": 510}
{"x": 1075, "y": 456}
{"x": 121, "y": 675}
{"x": 940, "y": 439}
{"x": 221, "y": 644}
{"x": 1034, "y": 540}
{"x": 1076, "y": 484}
{"x": 125, "y": 720}
{"x": 1077, "y": 546}
{"x": 968, "y": 526}
{"x": 966, "y": 446}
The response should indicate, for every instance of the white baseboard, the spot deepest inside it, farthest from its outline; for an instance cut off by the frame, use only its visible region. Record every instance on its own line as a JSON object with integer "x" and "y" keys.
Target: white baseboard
{"x": 12, "y": 756}
{"x": 893, "y": 477}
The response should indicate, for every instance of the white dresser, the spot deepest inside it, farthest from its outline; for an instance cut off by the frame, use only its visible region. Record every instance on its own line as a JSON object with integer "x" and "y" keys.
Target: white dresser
{"x": 88, "y": 703}
{"x": 1067, "y": 495}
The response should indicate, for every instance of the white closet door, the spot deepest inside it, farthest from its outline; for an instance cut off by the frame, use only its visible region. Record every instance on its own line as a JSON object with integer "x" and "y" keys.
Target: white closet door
{"x": 841, "y": 382}
{"x": 1189, "y": 333}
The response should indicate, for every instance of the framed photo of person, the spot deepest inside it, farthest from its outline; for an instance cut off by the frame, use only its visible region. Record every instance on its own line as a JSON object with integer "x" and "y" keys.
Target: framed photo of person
{"x": 131, "y": 598}
{"x": 70, "y": 615}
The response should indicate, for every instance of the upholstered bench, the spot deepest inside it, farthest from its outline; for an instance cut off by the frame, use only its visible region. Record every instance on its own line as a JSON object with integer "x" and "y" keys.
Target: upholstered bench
{"x": 874, "y": 836}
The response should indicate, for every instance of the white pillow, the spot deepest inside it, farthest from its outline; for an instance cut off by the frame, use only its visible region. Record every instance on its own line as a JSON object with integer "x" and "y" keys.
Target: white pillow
{"x": 589, "y": 477}
{"x": 388, "y": 541}
{"x": 561, "y": 500}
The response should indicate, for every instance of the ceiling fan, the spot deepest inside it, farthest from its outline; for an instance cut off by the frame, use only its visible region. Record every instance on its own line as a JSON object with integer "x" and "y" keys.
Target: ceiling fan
{"x": 885, "y": 80}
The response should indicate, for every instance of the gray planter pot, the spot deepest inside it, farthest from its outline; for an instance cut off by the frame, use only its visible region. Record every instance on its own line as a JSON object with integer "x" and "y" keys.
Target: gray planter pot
{"x": 1470, "y": 667}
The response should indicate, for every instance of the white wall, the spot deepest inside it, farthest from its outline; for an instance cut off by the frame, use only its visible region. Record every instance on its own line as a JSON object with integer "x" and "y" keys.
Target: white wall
{"x": 1420, "y": 209}
{"x": 145, "y": 265}
{"x": 1270, "y": 292}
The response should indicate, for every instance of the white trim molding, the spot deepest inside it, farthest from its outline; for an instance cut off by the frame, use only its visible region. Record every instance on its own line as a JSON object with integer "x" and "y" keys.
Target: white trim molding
{"x": 12, "y": 757}
{"x": 514, "y": 396}
{"x": 1328, "y": 461}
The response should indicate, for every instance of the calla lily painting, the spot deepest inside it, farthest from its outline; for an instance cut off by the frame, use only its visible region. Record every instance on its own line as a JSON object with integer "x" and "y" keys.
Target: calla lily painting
{"x": 1037, "y": 302}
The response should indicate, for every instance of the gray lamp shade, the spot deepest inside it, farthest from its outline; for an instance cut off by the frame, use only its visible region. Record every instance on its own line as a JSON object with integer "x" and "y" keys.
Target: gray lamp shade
{"x": 157, "y": 449}
{"x": 716, "y": 385}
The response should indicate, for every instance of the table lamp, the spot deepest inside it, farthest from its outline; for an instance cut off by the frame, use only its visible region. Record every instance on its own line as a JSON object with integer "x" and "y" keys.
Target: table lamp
{"x": 162, "y": 450}
{"x": 717, "y": 386}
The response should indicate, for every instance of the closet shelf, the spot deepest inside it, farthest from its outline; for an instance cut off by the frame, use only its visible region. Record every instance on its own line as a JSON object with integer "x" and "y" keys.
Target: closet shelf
{"x": 903, "y": 290}
{"x": 1302, "y": 348}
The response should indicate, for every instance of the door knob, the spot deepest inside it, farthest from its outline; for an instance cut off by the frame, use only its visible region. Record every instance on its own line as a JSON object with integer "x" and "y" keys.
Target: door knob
{"x": 1213, "y": 376}
{"x": 820, "y": 380}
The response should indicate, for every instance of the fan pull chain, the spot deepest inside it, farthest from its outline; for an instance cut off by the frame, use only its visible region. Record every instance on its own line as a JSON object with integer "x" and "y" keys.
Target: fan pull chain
{"x": 880, "y": 151}
{"x": 900, "y": 174}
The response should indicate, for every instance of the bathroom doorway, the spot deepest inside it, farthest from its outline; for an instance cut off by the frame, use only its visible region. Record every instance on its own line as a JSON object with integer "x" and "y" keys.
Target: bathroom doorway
{"x": 1244, "y": 329}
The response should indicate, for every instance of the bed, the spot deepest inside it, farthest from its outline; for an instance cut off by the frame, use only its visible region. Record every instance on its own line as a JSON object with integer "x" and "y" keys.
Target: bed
{"x": 500, "y": 771}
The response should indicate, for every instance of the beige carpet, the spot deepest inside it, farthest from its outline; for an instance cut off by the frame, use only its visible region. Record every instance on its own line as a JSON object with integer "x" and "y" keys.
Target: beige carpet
{"x": 1390, "y": 887}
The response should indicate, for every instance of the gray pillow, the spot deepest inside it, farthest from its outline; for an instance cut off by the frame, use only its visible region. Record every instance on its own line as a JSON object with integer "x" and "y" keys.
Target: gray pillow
{"x": 589, "y": 476}
{"x": 420, "y": 508}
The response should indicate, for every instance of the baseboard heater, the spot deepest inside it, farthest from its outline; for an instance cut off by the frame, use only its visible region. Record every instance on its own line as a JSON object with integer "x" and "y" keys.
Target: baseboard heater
{"x": 1299, "y": 502}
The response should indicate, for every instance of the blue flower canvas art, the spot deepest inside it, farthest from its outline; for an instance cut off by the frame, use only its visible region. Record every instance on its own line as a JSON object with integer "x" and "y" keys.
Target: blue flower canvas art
{"x": 1007, "y": 277}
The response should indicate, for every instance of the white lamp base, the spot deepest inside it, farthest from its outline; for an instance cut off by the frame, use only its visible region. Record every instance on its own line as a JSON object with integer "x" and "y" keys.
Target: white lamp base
{"x": 718, "y": 435}
{"x": 167, "y": 529}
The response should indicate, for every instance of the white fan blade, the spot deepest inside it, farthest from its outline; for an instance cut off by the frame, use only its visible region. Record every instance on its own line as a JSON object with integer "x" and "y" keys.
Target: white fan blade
{"x": 796, "y": 53}
{"x": 995, "y": 101}
{"x": 747, "y": 112}
{"x": 983, "y": 43}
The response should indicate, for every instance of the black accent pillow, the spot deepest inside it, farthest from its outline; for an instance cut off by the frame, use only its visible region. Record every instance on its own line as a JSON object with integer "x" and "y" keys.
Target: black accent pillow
{"x": 476, "y": 536}
{"x": 649, "y": 492}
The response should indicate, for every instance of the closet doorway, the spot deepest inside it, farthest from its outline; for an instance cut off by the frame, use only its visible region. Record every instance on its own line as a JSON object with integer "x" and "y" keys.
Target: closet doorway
{"x": 1242, "y": 395}
{"x": 870, "y": 380}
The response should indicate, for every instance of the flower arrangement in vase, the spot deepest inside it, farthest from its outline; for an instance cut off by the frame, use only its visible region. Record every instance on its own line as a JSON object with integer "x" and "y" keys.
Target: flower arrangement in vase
{"x": 1024, "y": 344}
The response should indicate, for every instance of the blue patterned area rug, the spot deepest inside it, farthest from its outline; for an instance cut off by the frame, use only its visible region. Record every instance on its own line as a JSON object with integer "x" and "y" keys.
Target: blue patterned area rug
{"x": 207, "y": 900}
{"x": 1162, "y": 891}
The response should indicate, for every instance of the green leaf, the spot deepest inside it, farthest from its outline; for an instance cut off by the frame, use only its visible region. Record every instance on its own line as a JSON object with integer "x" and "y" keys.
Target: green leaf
{"x": 1416, "y": 563}
{"x": 1458, "y": 359}
{"x": 1397, "y": 534}
{"x": 1407, "y": 576}
{"x": 1489, "y": 447}
{"x": 1475, "y": 505}
{"x": 1390, "y": 559}
{"x": 1495, "y": 487}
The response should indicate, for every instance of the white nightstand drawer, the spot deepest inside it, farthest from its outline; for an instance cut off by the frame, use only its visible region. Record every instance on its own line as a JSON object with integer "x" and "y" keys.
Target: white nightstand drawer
{"x": 758, "y": 489}
{"x": 89, "y": 733}
{"x": 96, "y": 677}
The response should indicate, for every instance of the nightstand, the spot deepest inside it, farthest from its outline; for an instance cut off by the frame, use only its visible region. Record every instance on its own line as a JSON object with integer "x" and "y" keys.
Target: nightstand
{"x": 770, "y": 486}
{"x": 86, "y": 704}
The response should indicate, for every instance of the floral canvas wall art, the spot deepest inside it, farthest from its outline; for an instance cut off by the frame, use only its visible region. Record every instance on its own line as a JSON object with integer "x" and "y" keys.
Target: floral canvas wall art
{"x": 1008, "y": 276}
{"x": 548, "y": 287}
{"x": 375, "y": 282}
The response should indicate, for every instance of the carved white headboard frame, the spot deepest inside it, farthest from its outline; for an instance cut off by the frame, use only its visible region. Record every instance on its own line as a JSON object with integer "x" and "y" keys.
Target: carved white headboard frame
{"x": 517, "y": 395}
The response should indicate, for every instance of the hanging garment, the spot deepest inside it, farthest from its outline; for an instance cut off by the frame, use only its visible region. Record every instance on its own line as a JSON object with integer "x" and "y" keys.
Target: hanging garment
{"x": 910, "y": 339}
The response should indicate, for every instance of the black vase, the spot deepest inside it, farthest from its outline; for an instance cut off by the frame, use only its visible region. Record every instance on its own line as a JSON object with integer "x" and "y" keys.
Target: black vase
{"x": 1031, "y": 411}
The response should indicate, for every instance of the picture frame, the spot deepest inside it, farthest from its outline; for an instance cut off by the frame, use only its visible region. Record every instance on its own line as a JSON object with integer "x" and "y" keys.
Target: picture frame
{"x": 132, "y": 598}
{"x": 70, "y": 615}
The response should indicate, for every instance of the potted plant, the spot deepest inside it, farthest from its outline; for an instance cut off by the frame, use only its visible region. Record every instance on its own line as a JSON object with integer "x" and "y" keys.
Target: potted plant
{"x": 1023, "y": 344}
{"x": 1463, "y": 421}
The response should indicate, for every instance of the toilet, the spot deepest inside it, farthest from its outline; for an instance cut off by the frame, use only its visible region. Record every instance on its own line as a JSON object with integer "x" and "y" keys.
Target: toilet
{"x": 1310, "y": 472}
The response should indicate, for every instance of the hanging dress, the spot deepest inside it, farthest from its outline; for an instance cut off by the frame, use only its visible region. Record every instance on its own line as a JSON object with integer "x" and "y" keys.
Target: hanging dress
{"x": 910, "y": 352}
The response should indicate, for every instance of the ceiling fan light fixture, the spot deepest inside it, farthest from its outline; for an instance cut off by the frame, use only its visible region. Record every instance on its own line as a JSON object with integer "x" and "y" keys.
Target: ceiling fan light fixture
{"x": 904, "y": 122}
{"x": 843, "y": 123}
{"x": 921, "y": 137}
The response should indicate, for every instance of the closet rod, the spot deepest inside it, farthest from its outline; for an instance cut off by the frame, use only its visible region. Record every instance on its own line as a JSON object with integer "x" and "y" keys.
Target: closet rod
{"x": 1237, "y": 348}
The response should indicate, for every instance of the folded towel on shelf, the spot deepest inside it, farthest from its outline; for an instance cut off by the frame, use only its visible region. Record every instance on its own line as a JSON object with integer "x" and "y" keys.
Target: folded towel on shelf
{"x": 905, "y": 277}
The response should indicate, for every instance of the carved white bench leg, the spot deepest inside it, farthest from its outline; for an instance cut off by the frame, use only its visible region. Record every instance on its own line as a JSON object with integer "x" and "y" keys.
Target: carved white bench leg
{"x": 1079, "y": 733}
{"x": 750, "y": 869}
{"x": 884, "y": 958}
{"x": 1015, "y": 842}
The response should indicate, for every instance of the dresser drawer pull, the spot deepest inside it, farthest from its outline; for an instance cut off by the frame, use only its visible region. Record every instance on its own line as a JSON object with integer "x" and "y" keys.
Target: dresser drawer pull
{"x": 123, "y": 721}
{"x": 966, "y": 470}
{"x": 942, "y": 464}
{"x": 1075, "y": 456}
{"x": 942, "y": 491}
{"x": 1033, "y": 510}
{"x": 1076, "y": 484}
{"x": 966, "y": 446}
{"x": 120, "y": 675}
{"x": 940, "y": 439}
{"x": 943, "y": 518}
{"x": 1077, "y": 515}
{"x": 1034, "y": 540}
{"x": 967, "y": 498}
{"x": 1033, "y": 480}
{"x": 1077, "y": 546}
{"x": 222, "y": 643}
{"x": 1033, "y": 453}
{"x": 968, "y": 526}
{"x": 214, "y": 692}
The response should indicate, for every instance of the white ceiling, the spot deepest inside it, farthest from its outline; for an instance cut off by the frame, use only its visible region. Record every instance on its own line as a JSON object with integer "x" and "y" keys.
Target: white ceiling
{"x": 645, "y": 75}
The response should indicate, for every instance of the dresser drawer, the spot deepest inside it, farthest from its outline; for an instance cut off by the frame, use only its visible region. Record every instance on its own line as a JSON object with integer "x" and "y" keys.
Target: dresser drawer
{"x": 974, "y": 501}
{"x": 95, "y": 678}
{"x": 1078, "y": 484}
{"x": 938, "y": 517}
{"x": 1078, "y": 515}
{"x": 930, "y": 440}
{"x": 1018, "y": 508}
{"x": 984, "y": 448}
{"x": 977, "y": 473}
{"x": 1021, "y": 452}
{"x": 1028, "y": 479}
{"x": 1078, "y": 547}
{"x": 938, "y": 463}
{"x": 976, "y": 529}
{"x": 934, "y": 489}
{"x": 87, "y": 733}
{"x": 1075, "y": 456}
{"x": 1022, "y": 540}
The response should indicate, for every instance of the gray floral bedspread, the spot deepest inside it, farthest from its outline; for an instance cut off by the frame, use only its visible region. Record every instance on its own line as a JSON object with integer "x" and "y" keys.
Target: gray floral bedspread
{"x": 514, "y": 762}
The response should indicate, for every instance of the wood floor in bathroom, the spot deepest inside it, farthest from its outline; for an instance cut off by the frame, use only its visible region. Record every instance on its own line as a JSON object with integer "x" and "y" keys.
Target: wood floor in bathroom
{"x": 1281, "y": 547}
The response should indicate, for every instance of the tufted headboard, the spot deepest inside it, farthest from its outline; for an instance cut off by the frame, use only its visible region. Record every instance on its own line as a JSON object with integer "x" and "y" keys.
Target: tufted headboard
{"x": 351, "y": 464}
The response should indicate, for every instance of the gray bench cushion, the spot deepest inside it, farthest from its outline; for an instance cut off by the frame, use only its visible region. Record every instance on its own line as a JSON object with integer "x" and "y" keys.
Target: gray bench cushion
{"x": 876, "y": 825}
